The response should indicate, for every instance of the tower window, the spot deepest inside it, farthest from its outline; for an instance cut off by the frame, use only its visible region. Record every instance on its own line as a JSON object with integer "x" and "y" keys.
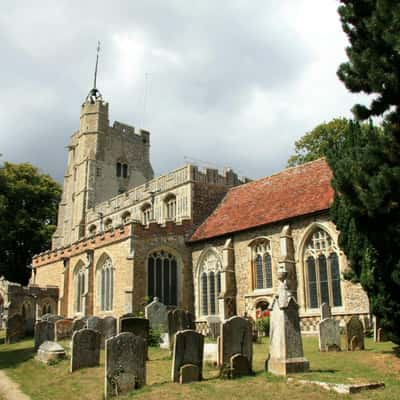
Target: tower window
{"x": 119, "y": 169}
{"x": 125, "y": 170}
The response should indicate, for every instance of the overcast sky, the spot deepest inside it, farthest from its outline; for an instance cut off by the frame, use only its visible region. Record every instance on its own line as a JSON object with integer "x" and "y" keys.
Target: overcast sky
{"x": 229, "y": 83}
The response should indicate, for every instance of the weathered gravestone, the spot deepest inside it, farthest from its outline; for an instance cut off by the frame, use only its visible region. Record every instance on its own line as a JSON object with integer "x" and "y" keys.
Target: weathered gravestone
{"x": 187, "y": 359}
{"x": 96, "y": 324}
{"x": 50, "y": 351}
{"x": 329, "y": 335}
{"x": 178, "y": 320}
{"x": 44, "y": 330}
{"x": 214, "y": 327}
{"x": 63, "y": 329}
{"x": 15, "y": 328}
{"x": 157, "y": 314}
{"x": 236, "y": 339}
{"x": 85, "y": 350}
{"x": 137, "y": 326}
{"x": 78, "y": 324}
{"x": 286, "y": 346}
{"x": 354, "y": 334}
{"x": 51, "y": 317}
{"x": 325, "y": 311}
{"x": 109, "y": 327}
{"x": 125, "y": 364}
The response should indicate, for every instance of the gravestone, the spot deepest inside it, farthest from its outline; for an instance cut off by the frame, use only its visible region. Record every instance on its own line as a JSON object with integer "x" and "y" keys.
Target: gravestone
{"x": 125, "y": 364}
{"x": 329, "y": 335}
{"x": 354, "y": 334}
{"x": 188, "y": 352}
{"x": 109, "y": 327}
{"x": 63, "y": 329}
{"x": 240, "y": 366}
{"x": 137, "y": 326}
{"x": 236, "y": 339}
{"x": 96, "y": 324}
{"x": 286, "y": 347}
{"x": 325, "y": 311}
{"x": 85, "y": 350}
{"x": 157, "y": 314}
{"x": 78, "y": 324}
{"x": 51, "y": 317}
{"x": 50, "y": 351}
{"x": 44, "y": 331}
{"x": 178, "y": 320}
{"x": 15, "y": 328}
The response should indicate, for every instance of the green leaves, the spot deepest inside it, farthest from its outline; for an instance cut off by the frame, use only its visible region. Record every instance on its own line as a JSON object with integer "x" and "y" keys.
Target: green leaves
{"x": 28, "y": 212}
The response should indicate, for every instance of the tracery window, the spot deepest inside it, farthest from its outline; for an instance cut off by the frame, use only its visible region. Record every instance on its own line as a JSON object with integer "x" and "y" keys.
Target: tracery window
{"x": 170, "y": 207}
{"x": 322, "y": 271}
{"x": 262, "y": 264}
{"x": 105, "y": 279}
{"x": 162, "y": 277}
{"x": 79, "y": 287}
{"x": 146, "y": 214}
{"x": 210, "y": 284}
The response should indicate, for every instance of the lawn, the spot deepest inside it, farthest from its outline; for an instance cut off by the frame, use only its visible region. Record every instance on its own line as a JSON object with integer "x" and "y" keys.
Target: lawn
{"x": 377, "y": 363}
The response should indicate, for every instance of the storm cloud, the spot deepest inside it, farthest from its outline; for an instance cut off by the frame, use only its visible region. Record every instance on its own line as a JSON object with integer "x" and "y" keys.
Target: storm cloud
{"x": 227, "y": 83}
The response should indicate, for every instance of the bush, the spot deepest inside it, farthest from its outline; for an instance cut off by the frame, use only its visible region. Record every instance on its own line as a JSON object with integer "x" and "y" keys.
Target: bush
{"x": 263, "y": 325}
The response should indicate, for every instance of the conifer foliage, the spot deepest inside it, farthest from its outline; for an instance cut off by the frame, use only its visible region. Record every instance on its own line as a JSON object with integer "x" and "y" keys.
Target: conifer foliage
{"x": 366, "y": 163}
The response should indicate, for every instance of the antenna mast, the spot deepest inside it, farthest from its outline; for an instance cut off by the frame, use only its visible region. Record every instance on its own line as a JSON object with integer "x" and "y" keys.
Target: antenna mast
{"x": 97, "y": 64}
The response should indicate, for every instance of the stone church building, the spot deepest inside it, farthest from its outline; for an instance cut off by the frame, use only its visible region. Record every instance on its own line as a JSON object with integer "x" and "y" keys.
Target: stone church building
{"x": 202, "y": 240}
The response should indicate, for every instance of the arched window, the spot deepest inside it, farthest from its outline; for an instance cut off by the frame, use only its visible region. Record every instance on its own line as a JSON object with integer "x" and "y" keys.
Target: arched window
{"x": 210, "y": 284}
{"x": 322, "y": 271}
{"x": 162, "y": 277}
{"x": 105, "y": 284}
{"x": 119, "y": 169}
{"x": 170, "y": 207}
{"x": 125, "y": 170}
{"x": 79, "y": 286}
{"x": 92, "y": 229}
{"x": 262, "y": 264}
{"x": 146, "y": 214}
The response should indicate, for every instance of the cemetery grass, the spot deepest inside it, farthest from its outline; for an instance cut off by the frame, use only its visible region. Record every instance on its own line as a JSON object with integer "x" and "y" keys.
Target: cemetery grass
{"x": 377, "y": 363}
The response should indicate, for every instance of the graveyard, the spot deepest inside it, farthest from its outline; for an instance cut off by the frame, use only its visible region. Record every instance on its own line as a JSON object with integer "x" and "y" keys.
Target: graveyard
{"x": 378, "y": 362}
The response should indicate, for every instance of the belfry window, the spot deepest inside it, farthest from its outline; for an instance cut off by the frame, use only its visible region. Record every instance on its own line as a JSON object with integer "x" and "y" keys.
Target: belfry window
{"x": 322, "y": 271}
{"x": 119, "y": 169}
{"x": 162, "y": 277}
{"x": 262, "y": 264}
{"x": 122, "y": 170}
{"x": 209, "y": 284}
{"x": 170, "y": 207}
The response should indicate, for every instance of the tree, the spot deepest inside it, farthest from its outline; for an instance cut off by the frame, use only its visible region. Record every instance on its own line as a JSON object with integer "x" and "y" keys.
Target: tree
{"x": 366, "y": 210}
{"x": 372, "y": 27}
{"x": 315, "y": 143}
{"x": 28, "y": 211}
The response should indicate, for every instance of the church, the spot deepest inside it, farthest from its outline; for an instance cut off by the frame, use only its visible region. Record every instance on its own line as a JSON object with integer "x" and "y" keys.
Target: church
{"x": 203, "y": 240}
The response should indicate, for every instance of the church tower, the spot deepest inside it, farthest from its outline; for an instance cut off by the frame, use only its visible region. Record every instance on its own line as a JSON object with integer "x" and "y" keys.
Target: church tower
{"x": 103, "y": 161}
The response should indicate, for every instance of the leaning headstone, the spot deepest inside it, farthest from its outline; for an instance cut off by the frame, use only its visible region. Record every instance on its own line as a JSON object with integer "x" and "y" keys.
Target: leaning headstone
{"x": 63, "y": 329}
{"x": 15, "y": 328}
{"x": 325, "y": 311}
{"x": 85, "y": 350}
{"x": 354, "y": 334}
{"x": 96, "y": 324}
{"x": 187, "y": 360}
{"x": 157, "y": 314}
{"x": 78, "y": 324}
{"x": 329, "y": 335}
{"x": 44, "y": 331}
{"x": 109, "y": 327}
{"x": 178, "y": 320}
{"x": 49, "y": 352}
{"x": 125, "y": 364}
{"x": 236, "y": 339}
{"x": 286, "y": 347}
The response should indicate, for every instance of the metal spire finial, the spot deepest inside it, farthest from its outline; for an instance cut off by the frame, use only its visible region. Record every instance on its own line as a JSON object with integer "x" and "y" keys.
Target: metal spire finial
{"x": 97, "y": 64}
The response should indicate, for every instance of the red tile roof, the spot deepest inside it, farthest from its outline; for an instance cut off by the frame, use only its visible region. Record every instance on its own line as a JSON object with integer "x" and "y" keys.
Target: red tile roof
{"x": 290, "y": 193}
